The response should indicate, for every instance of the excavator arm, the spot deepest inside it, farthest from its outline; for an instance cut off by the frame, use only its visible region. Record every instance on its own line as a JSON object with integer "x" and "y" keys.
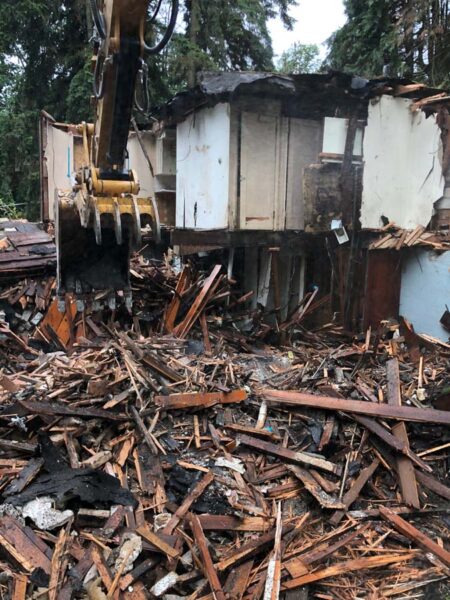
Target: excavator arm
{"x": 100, "y": 222}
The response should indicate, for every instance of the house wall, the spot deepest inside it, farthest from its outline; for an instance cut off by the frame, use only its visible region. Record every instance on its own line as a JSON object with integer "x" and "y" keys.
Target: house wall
{"x": 402, "y": 165}
{"x": 425, "y": 291}
{"x": 58, "y": 157}
{"x": 138, "y": 162}
{"x": 203, "y": 156}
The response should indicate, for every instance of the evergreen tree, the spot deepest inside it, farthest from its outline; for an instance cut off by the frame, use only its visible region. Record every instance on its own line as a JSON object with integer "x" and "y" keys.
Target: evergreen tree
{"x": 408, "y": 38}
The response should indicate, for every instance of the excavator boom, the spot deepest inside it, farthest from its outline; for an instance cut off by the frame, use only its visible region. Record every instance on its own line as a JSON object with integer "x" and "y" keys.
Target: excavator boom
{"x": 100, "y": 222}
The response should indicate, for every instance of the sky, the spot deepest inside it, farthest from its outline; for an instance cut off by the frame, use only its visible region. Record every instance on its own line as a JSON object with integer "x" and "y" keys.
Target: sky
{"x": 316, "y": 21}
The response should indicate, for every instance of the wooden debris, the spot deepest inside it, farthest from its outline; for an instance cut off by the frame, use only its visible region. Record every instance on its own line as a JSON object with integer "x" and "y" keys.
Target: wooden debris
{"x": 415, "y": 535}
{"x": 226, "y": 487}
{"x": 402, "y": 413}
{"x": 408, "y": 484}
{"x": 207, "y": 400}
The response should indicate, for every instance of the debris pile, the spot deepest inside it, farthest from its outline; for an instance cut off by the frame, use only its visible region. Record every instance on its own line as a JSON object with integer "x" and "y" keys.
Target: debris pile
{"x": 167, "y": 454}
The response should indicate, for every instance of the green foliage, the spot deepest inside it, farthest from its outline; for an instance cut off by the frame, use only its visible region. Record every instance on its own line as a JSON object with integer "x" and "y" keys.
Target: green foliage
{"x": 409, "y": 38}
{"x": 42, "y": 49}
{"x": 300, "y": 58}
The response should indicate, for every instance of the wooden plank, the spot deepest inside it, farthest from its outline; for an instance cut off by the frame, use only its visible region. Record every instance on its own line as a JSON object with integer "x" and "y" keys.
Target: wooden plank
{"x": 394, "y": 442}
{"x": 207, "y": 563}
{"x": 20, "y": 587}
{"x": 230, "y": 523}
{"x": 299, "y": 566}
{"x": 174, "y": 306}
{"x": 156, "y": 541}
{"x": 315, "y": 489}
{"x": 386, "y": 411}
{"x": 193, "y": 495}
{"x": 237, "y": 580}
{"x": 416, "y": 536}
{"x": 433, "y": 484}
{"x": 23, "y": 545}
{"x": 273, "y": 577}
{"x": 408, "y": 483}
{"x": 291, "y": 455}
{"x": 205, "y": 400}
{"x": 358, "y": 564}
{"x": 355, "y": 490}
{"x": 251, "y": 549}
{"x": 198, "y": 305}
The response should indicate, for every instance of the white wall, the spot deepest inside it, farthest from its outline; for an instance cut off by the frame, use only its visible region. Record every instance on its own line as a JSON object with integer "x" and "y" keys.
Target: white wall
{"x": 138, "y": 162}
{"x": 203, "y": 157}
{"x": 402, "y": 165}
{"x": 59, "y": 158}
{"x": 425, "y": 291}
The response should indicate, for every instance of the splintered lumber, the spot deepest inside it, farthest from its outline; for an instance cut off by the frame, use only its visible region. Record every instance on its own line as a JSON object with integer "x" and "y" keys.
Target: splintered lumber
{"x": 156, "y": 541}
{"x": 52, "y": 409}
{"x": 385, "y": 411}
{"x": 143, "y": 429}
{"x": 193, "y": 495}
{"x": 24, "y": 546}
{"x": 205, "y": 400}
{"x": 273, "y": 577}
{"x": 358, "y": 564}
{"x": 433, "y": 484}
{"x": 355, "y": 490}
{"x": 391, "y": 440}
{"x": 290, "y": 455}
{"x": 20, "y": 587}
{"x": 198, "y": 305}
{"x": 251, "y": 549}
{"x": 58, "y": 563}
{"x": 174, "y": 306}
{"x": 237, "y": 580}
{"x": 299, "y": 566}
{"x": 408, "y": 484}
{"x": 207, "y": 562}
{"x": 416, "y": 536}
{"x": 230, "y": 523}
{"x": 315, "y": 489}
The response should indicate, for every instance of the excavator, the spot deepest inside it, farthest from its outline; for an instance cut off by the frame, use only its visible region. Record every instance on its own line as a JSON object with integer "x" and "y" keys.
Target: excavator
{"x": 100, "y": 222}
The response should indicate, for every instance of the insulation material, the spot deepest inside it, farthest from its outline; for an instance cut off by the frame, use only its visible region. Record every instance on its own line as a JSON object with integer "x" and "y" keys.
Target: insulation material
{"x": 425, "y": 291}
{"x": 402, "y": 165}
{"x": 203, "y": 148}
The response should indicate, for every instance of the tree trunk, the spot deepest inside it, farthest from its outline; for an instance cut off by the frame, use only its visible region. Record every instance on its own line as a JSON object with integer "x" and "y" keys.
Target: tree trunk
{"x": 194, "y": 28}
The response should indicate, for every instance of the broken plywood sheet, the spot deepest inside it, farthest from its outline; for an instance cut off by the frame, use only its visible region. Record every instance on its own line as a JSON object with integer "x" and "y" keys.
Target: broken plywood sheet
{"x": 402, "y": 165}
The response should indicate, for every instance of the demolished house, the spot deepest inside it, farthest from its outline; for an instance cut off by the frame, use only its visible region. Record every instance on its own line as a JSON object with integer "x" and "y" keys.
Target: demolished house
{"x": 272, "y": 164}
{"x": 177, "y": 451}
{"x": 296, "y": 178}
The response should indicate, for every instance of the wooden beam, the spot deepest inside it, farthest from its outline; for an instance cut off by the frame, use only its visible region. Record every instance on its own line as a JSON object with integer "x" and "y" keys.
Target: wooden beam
{"x": 358, "y": 564}
{"x": 355, "y": 490}
{"x": 408, "y": 483}
{"x": 205, "y": 400}
{"x": 157, "y": 542}
{"x": 385, "y": 411}
{"x": 193, "y": 495}
{"x": 291, "y": 455}
{"x": 315, "y": 489}
{"x": 415, "y": 535}
{"x": 208, "y": 565}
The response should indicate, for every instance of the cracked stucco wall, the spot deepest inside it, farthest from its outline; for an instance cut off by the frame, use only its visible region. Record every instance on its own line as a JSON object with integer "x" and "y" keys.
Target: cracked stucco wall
{"x": 402, "y": 165}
